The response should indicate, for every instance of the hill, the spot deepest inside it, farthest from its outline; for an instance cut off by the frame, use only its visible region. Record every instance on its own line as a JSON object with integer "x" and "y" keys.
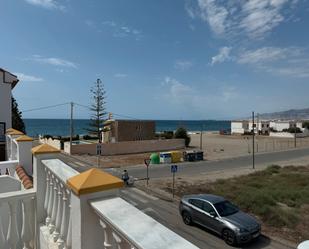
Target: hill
{"x": 284, "y": 115}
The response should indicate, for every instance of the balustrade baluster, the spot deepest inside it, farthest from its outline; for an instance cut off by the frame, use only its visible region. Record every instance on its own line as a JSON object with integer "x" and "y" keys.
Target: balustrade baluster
{"x": 69, "y": 233}
{"x": 55, "y": 206}
{"x": 3, "y": 241}
{"x": 121, "y": 243}
{"x": 26, "y": 232}
{"x": 50, "y": 200}
{"x": 108, "y": 236}
{"x": 46, "y": 192}
{"x": 65, "y": 220}
{"x": 13, "y": 236}
{"x": 59, "y": 213}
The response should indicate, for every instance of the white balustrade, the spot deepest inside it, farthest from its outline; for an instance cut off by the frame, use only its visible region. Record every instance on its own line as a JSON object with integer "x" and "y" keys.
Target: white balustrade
{"x": 57, "y": 202}
{"x": 8, "y": 166}
{"x": 17, "y": 208}
{"x": 126, "y": 227}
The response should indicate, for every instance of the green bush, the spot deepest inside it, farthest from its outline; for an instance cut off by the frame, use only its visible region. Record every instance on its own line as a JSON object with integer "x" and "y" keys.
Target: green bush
{"x": 182, "y": 133}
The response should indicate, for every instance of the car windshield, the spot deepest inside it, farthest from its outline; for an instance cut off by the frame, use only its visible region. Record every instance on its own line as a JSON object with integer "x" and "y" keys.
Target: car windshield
{"x": 226, "y": 208}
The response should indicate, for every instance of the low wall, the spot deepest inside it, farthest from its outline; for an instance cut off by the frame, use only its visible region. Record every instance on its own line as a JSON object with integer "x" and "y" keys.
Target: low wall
{"x": 128, "y": 147}
{"x": 288, "y": 135}
{"x": 52, "y": 142}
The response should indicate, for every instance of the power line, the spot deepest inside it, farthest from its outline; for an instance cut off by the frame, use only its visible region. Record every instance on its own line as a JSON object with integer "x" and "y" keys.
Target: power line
{"x": 45, "y": 107}
{"x": 77, "y": 104}
{"x": 115, "y": 114}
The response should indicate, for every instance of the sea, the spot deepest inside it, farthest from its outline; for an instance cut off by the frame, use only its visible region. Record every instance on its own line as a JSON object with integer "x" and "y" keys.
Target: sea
{"x": 61, "y": 127}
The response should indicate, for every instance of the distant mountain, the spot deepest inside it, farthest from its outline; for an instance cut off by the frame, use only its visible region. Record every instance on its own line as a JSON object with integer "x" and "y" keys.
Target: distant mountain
{"x": 284, "y": 115}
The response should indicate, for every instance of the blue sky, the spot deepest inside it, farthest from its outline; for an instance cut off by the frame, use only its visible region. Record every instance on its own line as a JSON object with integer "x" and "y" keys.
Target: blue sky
{"x": 177, "y": 59}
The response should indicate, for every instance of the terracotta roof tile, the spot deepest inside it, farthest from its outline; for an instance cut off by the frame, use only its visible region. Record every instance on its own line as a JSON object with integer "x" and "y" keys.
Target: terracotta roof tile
{"x": 23, "y": 177}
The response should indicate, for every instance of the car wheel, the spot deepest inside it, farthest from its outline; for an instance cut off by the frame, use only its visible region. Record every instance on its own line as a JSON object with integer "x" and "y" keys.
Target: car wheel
{"x": 187, "y": 219}
{"x": 229, "y": 237}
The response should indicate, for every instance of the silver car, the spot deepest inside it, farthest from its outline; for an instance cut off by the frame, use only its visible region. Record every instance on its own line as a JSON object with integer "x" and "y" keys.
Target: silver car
{"x": 221, "y": 216}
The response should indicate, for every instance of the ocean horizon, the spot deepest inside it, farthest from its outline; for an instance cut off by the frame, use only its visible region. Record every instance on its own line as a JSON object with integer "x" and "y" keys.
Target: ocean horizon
{"x": 61, "y": 127}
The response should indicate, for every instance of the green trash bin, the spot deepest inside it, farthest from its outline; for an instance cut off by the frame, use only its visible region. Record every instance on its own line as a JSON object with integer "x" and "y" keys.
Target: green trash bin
{"x": 155, "y": 158}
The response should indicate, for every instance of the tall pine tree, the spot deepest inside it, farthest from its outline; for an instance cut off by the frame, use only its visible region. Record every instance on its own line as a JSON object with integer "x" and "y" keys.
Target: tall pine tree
{"x": 17, "y": 121}
{"x": 98, "y": 108}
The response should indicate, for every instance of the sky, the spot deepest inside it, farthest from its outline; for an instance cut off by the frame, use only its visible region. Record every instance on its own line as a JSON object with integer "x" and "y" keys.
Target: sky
{"x": 158, "y": 59}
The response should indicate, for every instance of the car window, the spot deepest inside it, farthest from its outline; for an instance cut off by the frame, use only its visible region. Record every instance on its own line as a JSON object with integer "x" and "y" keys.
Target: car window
{"x": 226, "y": 208}
{"x": 197, "y": 203}
{"x": 208, "y": 208}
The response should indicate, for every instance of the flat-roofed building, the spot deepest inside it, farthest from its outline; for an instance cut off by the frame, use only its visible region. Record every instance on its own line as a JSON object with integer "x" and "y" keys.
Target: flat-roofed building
{"x": 128, "y": 130}
{"x": 7, "y": 82}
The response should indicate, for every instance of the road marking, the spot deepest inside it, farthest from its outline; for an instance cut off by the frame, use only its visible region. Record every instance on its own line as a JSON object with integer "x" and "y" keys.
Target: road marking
{"x": 138, "y": 191}
{"x": 134, "y": 196}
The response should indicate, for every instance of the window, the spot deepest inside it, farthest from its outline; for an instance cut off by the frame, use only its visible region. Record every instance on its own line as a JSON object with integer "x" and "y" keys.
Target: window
{"x": 197, "y": 203}
{"x": 226, "y": 208}
{"x": 2, "y": 132}
{"x": 208, "y": 208}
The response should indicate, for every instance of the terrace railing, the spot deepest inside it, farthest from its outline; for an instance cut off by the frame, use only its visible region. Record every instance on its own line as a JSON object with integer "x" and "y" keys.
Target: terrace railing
{"x": 57, "y": 201}
{"x": 17, "y": 220}
{"x": 126, "y": 227}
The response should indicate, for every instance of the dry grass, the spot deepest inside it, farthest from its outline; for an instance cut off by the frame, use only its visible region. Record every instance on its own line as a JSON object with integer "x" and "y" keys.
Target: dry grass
{"x": 279, "y": 197}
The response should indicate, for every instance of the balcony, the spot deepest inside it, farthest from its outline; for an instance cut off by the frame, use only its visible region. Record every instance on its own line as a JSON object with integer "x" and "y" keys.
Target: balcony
{"x": 68, "y": 209}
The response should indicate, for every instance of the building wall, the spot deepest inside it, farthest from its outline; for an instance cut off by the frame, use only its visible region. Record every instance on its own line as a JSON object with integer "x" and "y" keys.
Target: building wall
{"x": 130, "y": 130}
{"x": 128, "y": 147}
{"x": 5, "y": 102}
{"x": 237, "y": 127}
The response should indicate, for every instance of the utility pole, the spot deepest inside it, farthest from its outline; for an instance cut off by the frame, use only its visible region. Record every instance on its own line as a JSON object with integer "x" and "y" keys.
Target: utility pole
{"x": 253, "y": 145}
{"x": 71, "y": 127}
{"x": 295, "y": 128}
{"x": 201, "y": 138}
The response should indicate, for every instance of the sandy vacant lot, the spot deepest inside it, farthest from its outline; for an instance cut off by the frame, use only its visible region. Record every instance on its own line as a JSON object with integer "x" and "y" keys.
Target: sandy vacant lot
{"x": 216, "y": 146}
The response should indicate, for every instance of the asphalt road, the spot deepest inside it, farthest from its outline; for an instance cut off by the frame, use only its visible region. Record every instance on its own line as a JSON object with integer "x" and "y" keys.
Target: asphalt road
{"x": 166, "y": 213}
{"x": 202, "y": 167}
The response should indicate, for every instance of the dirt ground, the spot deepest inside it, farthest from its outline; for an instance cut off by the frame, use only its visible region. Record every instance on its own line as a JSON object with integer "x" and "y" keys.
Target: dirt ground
{"x": 216, "y": 146}
{"x": 115, "y": 161}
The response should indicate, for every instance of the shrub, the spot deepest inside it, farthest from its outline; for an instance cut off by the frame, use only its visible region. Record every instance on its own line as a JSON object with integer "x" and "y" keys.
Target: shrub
{"x": 182, "y": 133}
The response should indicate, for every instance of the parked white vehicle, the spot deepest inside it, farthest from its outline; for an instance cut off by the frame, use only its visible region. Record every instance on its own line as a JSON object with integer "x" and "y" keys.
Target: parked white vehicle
{"x": 304, "y": 245}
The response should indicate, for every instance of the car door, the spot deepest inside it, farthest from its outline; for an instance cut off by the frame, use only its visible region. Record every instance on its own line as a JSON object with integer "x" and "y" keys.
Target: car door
{"x": 210, "y": 217}
{"x": 196, "y": 210}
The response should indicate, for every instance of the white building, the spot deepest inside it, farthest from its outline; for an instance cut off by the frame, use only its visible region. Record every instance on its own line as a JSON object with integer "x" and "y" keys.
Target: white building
{"x": 7, "y": 82}
{"x": 239, "y": 126}
{"x": 246, "y": 126}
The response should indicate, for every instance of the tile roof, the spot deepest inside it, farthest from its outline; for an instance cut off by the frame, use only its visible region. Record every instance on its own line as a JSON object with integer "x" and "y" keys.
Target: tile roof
{"x": 23, "y": 177}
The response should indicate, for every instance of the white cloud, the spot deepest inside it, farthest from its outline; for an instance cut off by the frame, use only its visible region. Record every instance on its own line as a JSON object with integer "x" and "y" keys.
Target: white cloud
{"x": 289, "y": 61}
{"x": 28, "y": 78}
{"x": 183, "y": 64}
{"x": 121, "y": 31}
{"x": 120, "y": 75}
{"x": 181, "y": 94}
{"x": 47, "y": 4}
{"x": 222, "y": 56}
{"x": 252, "y": 18}
{"x": 53, "y": 61}
{"x": 267, "y": 54}
{"x": 178, "y": 90}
